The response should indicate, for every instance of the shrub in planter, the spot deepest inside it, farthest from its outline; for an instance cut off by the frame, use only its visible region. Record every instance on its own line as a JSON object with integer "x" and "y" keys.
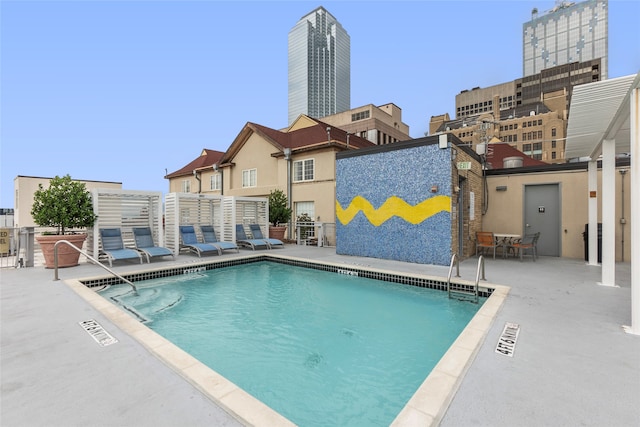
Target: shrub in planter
{"x": 65, "y": 205}
{"x": 279, "y": 214}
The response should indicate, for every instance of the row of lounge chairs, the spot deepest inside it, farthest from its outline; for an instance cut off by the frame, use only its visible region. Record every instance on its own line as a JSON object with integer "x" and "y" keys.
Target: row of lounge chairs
{"x": 113, "y": 248}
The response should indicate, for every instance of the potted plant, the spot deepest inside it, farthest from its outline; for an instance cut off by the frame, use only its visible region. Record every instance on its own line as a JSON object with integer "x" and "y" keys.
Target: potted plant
{"x": 279, "y": 214}
{"x": 306, "y": 231}
{"x": 65, "y": 205}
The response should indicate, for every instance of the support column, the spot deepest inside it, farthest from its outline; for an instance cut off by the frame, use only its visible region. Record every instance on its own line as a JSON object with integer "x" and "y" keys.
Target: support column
{"x": 592, "y": 242}
{"x": 634, "y": 188}
{"x": 608, "y": 212}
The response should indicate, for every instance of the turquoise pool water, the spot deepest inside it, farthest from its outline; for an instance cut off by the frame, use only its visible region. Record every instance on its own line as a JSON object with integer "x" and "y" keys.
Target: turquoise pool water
{"x": 322, "y": 349}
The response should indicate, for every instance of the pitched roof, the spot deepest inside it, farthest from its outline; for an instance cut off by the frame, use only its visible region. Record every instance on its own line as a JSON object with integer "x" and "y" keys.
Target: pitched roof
{"x": 309, "y": 137}
{"x": 206, "y": 160}
{"x": 498, "y": 151}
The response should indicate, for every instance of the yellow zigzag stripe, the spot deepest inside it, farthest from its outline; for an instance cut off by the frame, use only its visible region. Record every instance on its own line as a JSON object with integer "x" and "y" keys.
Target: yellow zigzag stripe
{"x": 393, "y": 206}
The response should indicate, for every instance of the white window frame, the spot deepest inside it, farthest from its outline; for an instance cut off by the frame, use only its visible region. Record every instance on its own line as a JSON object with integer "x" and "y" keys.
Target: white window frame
{"x": 249, "y": 178}
{"x": 303, "y": 166}
{"x": 215, "y": 182}
{"x": 308, "y": 207}
{"x": 186, "y": 186}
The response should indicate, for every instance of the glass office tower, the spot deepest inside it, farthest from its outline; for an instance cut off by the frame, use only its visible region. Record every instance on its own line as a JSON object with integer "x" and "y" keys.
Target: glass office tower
{"x": 319, "y": 66}
{"x": 570, "y": 32}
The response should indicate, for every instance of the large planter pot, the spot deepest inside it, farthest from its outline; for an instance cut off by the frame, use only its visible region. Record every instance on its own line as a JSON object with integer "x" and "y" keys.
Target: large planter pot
{"x": 67, "y": 256}
{"x": 277, "y": 232}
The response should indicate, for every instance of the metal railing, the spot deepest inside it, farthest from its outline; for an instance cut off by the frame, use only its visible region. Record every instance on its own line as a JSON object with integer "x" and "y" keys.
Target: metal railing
{"x": 454, "y": 259}
{"x": 66, "y": 242}
{"x": 476, "y": 290}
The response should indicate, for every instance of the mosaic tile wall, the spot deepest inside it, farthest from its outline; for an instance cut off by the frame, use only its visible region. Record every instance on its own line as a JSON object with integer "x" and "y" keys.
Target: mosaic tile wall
{"x": 385, "y": 207}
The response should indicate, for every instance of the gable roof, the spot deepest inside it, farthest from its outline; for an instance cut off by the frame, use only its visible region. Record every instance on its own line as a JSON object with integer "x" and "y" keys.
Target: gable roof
{"x": 206, "y": 160}
{"x": 304, "y": 134}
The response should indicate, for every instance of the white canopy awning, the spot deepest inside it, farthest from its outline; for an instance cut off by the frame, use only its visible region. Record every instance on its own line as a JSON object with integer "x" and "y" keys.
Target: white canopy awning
{"x": 600, "y": 111}
{"x": 604, "y": 119}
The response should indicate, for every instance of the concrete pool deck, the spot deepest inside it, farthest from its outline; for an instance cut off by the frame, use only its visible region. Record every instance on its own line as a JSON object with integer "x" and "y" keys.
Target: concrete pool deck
{"x": 572, "y": 365}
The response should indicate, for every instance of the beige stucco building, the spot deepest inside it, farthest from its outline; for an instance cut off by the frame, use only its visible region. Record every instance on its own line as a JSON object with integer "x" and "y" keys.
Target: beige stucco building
{"x": 299, "y": 160}
{"x": 26, "y": 186}
{"x": 507, "y": 203}
{"x": 380, "y": 125}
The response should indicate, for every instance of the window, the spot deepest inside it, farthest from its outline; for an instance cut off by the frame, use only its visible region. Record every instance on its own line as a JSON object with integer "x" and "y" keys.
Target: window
{"x": 553, "y": 131}
{"x": 302, "y": 208}
{"x": 553, "y": 154}
{"x": 249, "y": 178}
{"x": 186, "y": 186}
{"x": 360, "y": 116}
{"x": 539, "y": 134}
{"x": 515, "y": 138}
{"x": 553, "y": 143}
{"x": 303, "y": 170}
{"x": 215, "y": 181}
{"x": 526, "y": 148}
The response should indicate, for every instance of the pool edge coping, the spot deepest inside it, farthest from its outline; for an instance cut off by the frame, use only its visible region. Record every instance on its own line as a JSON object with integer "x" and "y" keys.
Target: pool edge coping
{"x": 427, "y": 405}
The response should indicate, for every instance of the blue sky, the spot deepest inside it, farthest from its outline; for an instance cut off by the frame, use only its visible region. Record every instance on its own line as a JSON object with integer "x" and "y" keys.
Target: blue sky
{"x": 122, "y": 90}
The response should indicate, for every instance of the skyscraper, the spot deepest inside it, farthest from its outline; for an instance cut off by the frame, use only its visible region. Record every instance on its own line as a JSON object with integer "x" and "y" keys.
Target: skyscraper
{"x": 319, "y": 66}
{"x": 570, "y": 32}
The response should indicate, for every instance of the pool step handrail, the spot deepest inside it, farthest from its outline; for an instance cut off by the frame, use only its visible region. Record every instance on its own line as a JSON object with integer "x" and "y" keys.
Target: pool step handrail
{"x": 476, "y": 291}
{"x": 68, "y": 243}
{"x": 454, "y": 259}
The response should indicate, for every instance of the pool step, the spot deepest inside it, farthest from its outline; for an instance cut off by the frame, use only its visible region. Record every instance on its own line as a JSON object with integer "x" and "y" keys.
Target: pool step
{"x": 149, "y": 302}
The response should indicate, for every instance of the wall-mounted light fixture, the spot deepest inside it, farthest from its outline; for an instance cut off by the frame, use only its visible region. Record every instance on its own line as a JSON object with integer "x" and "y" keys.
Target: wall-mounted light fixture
{"x": 501, "y": 188}
{"x": 434, "y": 188}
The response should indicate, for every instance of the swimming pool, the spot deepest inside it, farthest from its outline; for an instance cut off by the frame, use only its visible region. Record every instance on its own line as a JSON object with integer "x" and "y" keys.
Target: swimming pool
{"x": 320, "y": 348}
{"x": 428, "y": 404}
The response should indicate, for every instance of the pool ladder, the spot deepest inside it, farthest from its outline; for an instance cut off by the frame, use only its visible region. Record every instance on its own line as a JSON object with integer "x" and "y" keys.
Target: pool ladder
{"x": 475, "y": 293}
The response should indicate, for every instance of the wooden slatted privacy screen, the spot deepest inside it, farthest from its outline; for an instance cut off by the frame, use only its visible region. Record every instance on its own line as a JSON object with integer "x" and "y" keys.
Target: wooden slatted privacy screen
{"x": 125, "y": 209}
{"x": 223, "y": 212}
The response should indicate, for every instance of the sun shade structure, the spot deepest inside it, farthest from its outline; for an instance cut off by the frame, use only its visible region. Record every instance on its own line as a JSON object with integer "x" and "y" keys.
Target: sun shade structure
{"x": 604, "y": 121}
{"x": 126, "y": 210}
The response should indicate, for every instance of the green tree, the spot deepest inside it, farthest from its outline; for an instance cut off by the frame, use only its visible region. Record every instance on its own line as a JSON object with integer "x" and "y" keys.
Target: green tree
{"x": 279, "y": 211}
{"x": 65, "y": 205}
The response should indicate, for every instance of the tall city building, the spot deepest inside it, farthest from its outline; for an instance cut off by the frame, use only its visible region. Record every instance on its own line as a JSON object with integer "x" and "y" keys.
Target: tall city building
{"x": 319, "y": 66}
{"x": 570, "y": 32}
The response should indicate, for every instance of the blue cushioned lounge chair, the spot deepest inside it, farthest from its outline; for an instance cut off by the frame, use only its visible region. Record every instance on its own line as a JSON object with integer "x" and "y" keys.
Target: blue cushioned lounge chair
{"x": 244, "y": 241}
{"x": 256, "y": 231}
{"x": 209, "y": 236}
{"x": 190, "y": 241}
{"x": 145, "y": 244}
{"x": 113, "y": 246}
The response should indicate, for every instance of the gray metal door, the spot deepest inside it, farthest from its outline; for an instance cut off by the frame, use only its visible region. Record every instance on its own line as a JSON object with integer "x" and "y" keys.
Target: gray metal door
{"x": 542, "y": 214}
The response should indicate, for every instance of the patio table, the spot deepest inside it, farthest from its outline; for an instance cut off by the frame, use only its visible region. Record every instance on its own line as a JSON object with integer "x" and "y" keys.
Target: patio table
{"x": 504, "y": 240}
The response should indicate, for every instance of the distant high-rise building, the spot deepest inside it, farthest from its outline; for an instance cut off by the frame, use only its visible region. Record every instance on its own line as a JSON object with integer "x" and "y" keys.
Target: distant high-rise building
{"x": 319, "y": 66}
{"x": 570, "y": 32}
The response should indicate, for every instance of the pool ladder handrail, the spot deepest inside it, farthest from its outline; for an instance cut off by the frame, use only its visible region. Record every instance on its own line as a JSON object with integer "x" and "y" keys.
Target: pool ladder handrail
{"x": 95, "y": 261}
{"x": 454, "y": 260}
